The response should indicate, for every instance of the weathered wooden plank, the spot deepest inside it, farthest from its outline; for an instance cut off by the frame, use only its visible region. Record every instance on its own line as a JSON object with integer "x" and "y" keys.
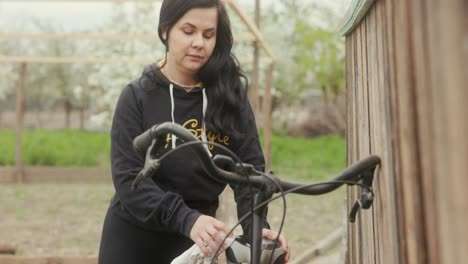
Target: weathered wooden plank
{"x": 386, "y": 229}
{"x": 394, "y": 128}
{"x": 349, "y": 137}
{"x": 448, "y": 36}
{"x": 409, "y": 171}
{"x": 377, "y": 125}
{"x": 420, "y": 62}
{"x": 393, "y": 161}
{"x": 375, "y": 122}
{"x": 355, "y": 227}
{"x": 351, "y": 90}
{"x": 350, "y": 99}
{"x": 358, "y": 101}
{"x": 425, "y": 125}
{"x": 367, "y": 246}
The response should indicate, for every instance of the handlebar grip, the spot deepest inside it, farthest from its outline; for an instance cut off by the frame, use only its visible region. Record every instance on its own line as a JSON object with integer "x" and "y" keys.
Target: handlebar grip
{"x": 143, "y": 141}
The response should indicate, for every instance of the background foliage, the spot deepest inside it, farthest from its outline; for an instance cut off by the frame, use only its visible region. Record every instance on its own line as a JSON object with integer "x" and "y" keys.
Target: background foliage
{"x": 302, "y": 34}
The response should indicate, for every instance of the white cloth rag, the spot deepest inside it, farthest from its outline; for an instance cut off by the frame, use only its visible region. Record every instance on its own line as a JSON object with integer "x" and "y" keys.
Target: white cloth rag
{"x": 194, "y": 255}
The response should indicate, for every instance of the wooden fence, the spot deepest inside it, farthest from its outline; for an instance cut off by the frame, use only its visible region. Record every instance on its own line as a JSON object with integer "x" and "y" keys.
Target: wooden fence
{"x": 407, "y": 93}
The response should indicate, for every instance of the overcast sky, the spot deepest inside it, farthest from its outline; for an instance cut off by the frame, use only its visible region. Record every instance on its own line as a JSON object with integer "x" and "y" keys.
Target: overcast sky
{"x": 76, "y": 16}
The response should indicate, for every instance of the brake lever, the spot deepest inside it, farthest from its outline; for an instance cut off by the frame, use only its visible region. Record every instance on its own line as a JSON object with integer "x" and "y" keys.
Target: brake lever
{"x": 150, "y": 167}
{"x": 224, "y": 162}
{"x": 367, "y": 197}
{"x": 227, "y": 163}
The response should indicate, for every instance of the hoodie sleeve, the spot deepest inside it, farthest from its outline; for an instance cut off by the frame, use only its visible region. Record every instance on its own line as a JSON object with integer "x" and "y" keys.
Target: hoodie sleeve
{"x": 249, "y": 151}
{"x": 148, "y": 204}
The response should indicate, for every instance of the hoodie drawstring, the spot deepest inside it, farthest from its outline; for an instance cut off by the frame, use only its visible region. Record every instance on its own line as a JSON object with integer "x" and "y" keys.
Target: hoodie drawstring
{"x": 171, "y": 90}
{"x": 205, "y": 106}
{"x": 204, "y": 138}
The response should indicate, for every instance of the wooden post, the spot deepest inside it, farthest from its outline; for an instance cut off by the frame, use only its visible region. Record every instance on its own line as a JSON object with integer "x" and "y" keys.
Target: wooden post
{"x": 7, "y": 259}
{"x": 256, "y": 68}
{"x": 19, "y": 174}
{"x": 267, "y": 114}
{"x": 6, "y": 249}
{"x": 84, "y": 104}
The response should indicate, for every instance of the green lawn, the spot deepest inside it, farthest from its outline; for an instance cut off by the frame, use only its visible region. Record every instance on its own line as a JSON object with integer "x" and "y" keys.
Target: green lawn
{"x": 306, "y": 159}
{"x": 296, "y": 158}
{"x": 57, "y": 148}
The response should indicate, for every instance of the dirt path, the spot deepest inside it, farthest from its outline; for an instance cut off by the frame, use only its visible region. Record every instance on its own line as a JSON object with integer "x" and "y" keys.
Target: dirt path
{"x": 66, "y": 219}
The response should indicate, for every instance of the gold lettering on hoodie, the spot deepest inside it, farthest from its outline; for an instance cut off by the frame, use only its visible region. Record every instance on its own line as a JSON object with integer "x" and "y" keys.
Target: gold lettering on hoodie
{"x": 196, "y": 128}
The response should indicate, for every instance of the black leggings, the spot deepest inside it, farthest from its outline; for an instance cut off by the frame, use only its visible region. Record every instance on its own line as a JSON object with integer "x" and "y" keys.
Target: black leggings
{"x": 125, "y": 243}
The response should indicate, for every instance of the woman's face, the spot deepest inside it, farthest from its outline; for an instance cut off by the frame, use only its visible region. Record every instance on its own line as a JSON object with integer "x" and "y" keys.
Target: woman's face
{"x": 192, "y": 40}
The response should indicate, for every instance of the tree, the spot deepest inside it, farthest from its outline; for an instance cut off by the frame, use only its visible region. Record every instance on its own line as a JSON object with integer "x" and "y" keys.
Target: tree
{"x": 320, "y": 53}
{"x": 312, "y": 53}
{"x": 8, "y": 78}
{"x": 73, "y": 85}
{"x": 106, "y": 81}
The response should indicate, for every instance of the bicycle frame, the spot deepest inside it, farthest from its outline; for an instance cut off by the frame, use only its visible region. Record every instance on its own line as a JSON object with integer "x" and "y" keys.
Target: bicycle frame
{"x": 361, "y": 173}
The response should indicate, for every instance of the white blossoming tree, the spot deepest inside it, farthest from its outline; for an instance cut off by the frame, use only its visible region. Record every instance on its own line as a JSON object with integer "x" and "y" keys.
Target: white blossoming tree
{"x": 106, "y": 81}
{"x": 92, "y": 87}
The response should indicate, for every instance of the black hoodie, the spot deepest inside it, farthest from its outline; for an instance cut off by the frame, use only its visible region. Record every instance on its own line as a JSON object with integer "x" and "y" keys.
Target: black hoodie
{"x": 180, "y": 191}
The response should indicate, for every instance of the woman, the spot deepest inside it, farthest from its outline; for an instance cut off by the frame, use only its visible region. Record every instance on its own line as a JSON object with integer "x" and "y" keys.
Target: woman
{"x": 199, "y": 86}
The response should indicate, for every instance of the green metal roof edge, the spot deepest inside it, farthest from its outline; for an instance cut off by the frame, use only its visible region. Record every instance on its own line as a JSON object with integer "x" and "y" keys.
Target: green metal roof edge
{"x": 356, "y": 12}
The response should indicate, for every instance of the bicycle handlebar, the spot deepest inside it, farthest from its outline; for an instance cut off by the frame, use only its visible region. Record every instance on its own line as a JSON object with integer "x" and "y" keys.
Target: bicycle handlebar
{"x": 224, "y": 167}
{"x": 244, "y": 173}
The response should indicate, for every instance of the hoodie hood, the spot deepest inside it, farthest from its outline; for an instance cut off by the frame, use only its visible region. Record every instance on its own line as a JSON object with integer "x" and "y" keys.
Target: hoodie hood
{"x": 154, "y": 71}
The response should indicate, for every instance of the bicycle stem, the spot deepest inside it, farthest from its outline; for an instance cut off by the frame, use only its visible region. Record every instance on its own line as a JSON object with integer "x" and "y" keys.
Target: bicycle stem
{"x": 257, "y": 225}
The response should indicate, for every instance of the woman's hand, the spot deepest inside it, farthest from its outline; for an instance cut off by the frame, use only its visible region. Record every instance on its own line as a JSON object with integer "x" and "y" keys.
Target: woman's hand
{"x": 272, "y": 235}
{"x": 208, "y": 233}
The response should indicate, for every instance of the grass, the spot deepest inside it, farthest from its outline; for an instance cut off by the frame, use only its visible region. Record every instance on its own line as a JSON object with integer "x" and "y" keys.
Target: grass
{"x": 297, "y": 158}
{"x": 306, "y": 159}
{"x": 57, "y": 148}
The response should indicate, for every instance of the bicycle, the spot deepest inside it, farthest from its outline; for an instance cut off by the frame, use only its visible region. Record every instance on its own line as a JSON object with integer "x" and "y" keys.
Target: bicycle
{"x": 230, "y": 169}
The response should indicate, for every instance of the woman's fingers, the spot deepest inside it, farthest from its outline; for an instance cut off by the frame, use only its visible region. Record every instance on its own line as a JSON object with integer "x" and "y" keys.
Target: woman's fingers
{"x": 208, "y": 233}
{"x": 203, "y": 247}
{"x": 218, "y": 235}
{"x": 273, "y": 235}
{"x": 223, "y": 227}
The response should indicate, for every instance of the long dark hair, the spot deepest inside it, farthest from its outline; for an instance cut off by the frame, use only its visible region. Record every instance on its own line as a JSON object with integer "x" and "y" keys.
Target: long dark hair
{"x": 221, "y": 74}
